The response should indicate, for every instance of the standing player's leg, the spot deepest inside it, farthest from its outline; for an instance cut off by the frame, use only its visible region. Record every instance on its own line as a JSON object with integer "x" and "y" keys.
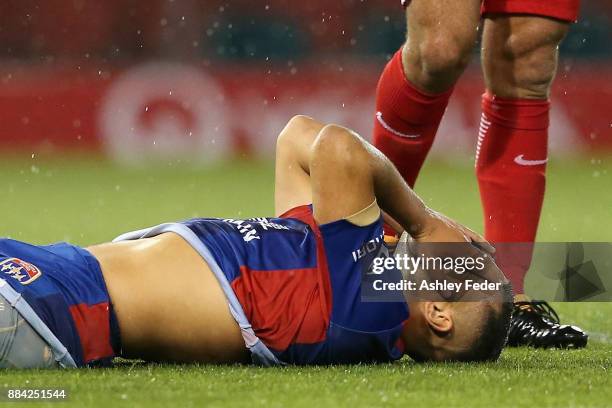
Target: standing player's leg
{"x": 519, "y": 59}
{"x": 415, "y": 86}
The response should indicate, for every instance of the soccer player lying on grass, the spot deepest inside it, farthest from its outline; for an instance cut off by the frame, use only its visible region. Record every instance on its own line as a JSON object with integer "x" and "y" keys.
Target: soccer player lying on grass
{"x": 292, "y": 283}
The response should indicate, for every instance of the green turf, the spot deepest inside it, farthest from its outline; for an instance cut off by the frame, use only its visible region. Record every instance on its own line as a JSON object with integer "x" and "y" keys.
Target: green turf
{"x": 86, "y": 200}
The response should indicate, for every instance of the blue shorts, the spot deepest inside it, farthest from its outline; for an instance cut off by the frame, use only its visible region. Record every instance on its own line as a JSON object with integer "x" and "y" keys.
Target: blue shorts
{"x": 60, "y": 291}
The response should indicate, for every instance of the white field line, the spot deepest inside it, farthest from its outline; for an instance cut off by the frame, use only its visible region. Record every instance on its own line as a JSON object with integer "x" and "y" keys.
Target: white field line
{"x": 600, "y": 337}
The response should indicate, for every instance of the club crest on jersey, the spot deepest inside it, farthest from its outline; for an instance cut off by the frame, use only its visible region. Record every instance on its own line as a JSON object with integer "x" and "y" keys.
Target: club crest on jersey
{"x": 22, "y": 271}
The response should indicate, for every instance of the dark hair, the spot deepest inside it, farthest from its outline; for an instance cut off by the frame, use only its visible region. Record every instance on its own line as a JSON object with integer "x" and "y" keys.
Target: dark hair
{"x": 490, "y": 339}
{"x": 488, "y": 345}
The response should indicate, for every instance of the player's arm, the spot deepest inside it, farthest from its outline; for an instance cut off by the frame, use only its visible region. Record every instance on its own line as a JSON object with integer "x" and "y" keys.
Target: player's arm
{"x": 341, "y": 186}
{"x": 333, "y": 168}
{"x": 292, "y": 178}
{"x": 347, "y": 174}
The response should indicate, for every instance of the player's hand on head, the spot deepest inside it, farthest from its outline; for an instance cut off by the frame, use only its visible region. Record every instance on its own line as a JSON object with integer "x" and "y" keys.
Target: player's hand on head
{"x": 440, "y": 228}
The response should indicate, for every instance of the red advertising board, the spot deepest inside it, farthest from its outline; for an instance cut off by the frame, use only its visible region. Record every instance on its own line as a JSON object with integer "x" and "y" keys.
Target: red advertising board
{"x": 169, "y": 109}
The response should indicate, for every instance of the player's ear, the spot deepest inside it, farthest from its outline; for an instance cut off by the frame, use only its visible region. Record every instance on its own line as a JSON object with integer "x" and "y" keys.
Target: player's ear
{"x": 438, "y": 316}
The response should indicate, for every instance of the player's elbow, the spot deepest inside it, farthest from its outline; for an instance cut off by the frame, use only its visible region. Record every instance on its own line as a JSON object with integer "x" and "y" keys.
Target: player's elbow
{"x": 340, "y": 146}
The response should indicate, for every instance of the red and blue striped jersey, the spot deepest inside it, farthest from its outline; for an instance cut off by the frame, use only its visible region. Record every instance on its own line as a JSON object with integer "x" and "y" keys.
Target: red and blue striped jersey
{"x": 299, "y": 284}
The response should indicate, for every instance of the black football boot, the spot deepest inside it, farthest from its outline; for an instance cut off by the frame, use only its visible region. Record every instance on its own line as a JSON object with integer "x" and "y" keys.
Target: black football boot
{"x": 536, "y": 324}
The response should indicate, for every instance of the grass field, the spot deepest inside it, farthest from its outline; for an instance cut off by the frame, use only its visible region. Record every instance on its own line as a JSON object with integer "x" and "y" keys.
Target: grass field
{"x": 87, "y": 200}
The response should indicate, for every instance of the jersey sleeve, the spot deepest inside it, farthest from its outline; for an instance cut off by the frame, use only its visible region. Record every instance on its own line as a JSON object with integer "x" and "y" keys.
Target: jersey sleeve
{"x": 349, "y": 249}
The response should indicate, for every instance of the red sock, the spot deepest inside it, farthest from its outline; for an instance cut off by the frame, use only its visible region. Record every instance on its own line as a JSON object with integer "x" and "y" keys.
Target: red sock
{"x": 406, "y": 119}
{"x": 510, "y": 166}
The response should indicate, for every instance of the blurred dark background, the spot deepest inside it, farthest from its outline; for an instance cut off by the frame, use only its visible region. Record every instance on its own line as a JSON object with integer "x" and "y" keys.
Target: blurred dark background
{"x": 128, "y": 30}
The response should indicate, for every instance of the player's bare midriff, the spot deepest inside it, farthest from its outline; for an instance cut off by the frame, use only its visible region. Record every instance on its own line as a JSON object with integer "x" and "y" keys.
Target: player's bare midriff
{"x": 169, "y": 304}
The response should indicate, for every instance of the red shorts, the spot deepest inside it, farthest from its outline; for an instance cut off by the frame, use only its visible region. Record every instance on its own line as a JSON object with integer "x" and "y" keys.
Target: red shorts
{"x": 566, "y": 10}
